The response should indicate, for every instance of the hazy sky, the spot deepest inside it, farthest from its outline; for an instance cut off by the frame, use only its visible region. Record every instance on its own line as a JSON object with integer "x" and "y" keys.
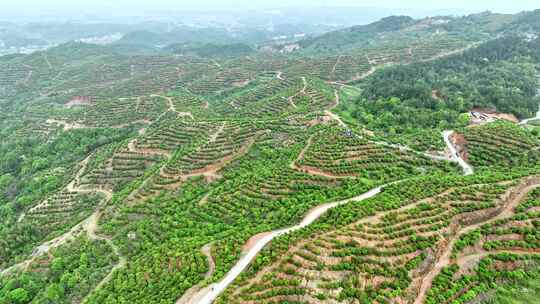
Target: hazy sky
{"x": 110, "y": 6}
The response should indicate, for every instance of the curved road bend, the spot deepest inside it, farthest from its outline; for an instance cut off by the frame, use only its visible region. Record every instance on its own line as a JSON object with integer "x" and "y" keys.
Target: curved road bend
{"x": 214, "y": 290}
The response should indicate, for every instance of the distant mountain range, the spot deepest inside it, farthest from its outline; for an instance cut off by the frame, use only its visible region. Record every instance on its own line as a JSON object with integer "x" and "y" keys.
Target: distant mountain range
{"x": 341, "y": 16}
{"x": 315, "y": 28}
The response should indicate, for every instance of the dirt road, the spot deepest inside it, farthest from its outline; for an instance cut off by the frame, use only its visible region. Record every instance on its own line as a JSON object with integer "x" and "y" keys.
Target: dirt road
{"x": 209, "y": 294}
{"x": 516, "y": 195}
{"x": 467, "y": 169}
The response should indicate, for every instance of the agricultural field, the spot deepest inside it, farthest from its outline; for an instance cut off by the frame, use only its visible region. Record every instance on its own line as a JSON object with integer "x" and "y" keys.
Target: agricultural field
{"x": 348, "y": 171}
{"x": 500, "y": 144}
{"x": 403, "y": 246}
{"x": 337, "y": 153}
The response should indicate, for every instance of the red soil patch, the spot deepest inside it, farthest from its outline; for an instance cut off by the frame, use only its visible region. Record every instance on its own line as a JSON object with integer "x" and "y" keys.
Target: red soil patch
{"x": 253, "y": 240}
{"x": 240, "y": 83}
{"x": 506, "y": 116}
{"x": 493, "y": 114}
{"x": 321, "y": 120}
{"x": 435, "y": 95}
{"x": 461, "y": 145}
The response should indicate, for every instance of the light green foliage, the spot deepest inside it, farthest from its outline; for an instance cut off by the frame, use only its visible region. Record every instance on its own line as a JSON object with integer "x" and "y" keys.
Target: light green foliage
{"x": 140, "y": 161}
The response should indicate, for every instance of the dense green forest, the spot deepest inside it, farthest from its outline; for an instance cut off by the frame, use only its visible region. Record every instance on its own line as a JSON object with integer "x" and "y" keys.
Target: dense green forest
{"x": 500, "y": 74}
{"x": 402, "y": 101}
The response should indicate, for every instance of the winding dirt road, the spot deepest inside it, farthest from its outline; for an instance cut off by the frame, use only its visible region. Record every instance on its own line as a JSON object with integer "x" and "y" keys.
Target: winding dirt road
{"x": 513, "y": 197}
{"x": 91, "y": 228}
{"x": 88, "y": 225}
{"x": 335, "y": 65}
{"x": 209, "y": 294}
{"x": 342, "y": 124}
{"x": 374, "y": 67}
{"x": 334, "y": 116}
{"x": 311, "y": 170}
{"x": 67, "y": 125}
{"x": 302, "y": 91}
{"x": 73, "y": 125}
{"x": 389, "y": 145}
{"x": 194, "y": 294}
{"x": 172, "y": 107}
{"x": 526, "y": 121}
{"x": 258, "y": 242}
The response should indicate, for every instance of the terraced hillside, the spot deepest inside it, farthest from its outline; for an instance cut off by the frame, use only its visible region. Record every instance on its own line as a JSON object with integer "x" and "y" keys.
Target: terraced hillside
{"x": 236, "y": 175}
{"x": 339, "y": 153}
{"x": 499, "y": 144}
{"x": 399, "y": 247}
{"x": 314, "y": 177}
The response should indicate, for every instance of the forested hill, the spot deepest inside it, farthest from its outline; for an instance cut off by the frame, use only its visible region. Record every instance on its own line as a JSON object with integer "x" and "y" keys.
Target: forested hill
{"x": 388, "y": 24}
{"x": 499, "y": 74}
{"x": 402, "y": 28}
{"x": 526, "y": 22}
{"x": 383, "y": 163}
